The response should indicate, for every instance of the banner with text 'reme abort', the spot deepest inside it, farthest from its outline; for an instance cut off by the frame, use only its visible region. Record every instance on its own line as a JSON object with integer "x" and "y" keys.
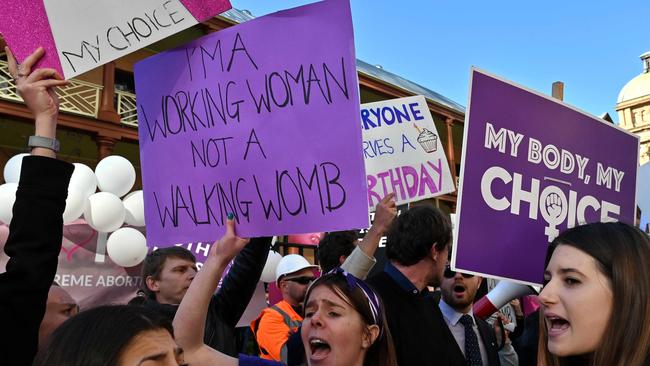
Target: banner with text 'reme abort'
{"x": 403, "y": 151}
{"x": 260, "y": 120}
{"x": 533, "y": 167}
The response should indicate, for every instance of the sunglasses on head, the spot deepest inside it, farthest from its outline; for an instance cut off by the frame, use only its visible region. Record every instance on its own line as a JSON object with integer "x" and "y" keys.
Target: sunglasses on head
{"x": 451, "y": 274}
{"x": 304, "y": 280}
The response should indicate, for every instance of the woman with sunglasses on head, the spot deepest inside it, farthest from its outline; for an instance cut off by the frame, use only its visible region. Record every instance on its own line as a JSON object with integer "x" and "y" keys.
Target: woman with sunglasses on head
{"x": 596, "y": 299}
{"x": 344, "y": 322}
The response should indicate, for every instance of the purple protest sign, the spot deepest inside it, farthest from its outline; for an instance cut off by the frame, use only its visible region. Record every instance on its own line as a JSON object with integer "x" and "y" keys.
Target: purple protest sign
{"x": 533, "y": 166}
{"x": 261, "y": 120}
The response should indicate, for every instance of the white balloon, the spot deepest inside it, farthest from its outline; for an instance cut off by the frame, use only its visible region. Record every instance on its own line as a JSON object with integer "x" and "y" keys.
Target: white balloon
{"x": 83, "y": 179}
{"x": 74, "y": 205}
{"x": 104, "y": 212}
{"x": 115, "y": 174}
{"x": 134, "y": 206}
{"x": 127, "y": 247}
{"x": 7, "y": 199}
{"x": 12, "y": 169}
{"x": 268, "y": 273}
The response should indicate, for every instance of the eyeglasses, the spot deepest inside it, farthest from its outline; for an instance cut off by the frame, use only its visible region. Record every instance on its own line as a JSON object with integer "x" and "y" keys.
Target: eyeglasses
{"x": 451, "y": 274}
{"x": 304, "y": 280}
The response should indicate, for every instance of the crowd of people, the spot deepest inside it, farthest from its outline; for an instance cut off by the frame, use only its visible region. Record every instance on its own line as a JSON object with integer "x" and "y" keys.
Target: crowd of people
{"x": 415, "y": 311}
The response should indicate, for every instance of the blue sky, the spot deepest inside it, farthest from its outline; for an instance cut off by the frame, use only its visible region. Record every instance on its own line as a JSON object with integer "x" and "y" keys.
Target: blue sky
{"x": 592, "y": 46}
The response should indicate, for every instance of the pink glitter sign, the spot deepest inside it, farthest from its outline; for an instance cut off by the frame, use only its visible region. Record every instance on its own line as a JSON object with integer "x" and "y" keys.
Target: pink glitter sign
{"x": 25, "y": 27}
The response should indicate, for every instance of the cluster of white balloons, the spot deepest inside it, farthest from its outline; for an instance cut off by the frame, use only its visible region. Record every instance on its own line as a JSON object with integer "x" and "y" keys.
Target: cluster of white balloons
{"x": 104, "y": 211}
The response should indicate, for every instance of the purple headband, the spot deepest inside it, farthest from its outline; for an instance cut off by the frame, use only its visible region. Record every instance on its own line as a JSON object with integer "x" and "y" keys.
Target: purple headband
{"x": 371, "y": 296}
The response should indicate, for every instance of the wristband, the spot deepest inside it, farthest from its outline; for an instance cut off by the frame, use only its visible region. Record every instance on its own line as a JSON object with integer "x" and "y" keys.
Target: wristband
{"x": 45, "y": 142}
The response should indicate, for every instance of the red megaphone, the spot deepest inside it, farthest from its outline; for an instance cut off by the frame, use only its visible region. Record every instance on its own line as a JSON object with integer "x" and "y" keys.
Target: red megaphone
{"x": 503, "y": 293}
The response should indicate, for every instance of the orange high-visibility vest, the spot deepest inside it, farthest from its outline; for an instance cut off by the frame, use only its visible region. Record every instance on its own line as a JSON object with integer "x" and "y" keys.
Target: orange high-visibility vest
{"x": 272, "y": 329}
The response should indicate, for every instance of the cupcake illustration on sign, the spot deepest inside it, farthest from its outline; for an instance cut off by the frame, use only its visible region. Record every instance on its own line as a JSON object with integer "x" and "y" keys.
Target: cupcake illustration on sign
{"x": 427, "y": 139}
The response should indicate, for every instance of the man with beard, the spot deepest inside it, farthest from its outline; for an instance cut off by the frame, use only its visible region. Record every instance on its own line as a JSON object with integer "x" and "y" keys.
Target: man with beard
{"x": 475, "y": 338}
{"x": 275, "y": 324}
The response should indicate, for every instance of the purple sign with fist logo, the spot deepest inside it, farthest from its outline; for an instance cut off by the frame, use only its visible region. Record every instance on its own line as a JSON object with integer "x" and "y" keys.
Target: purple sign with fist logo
{"x": 533, "y": 167}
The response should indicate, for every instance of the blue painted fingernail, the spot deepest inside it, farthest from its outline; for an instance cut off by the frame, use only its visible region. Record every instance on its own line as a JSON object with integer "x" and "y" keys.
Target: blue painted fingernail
{"x": 230, "y": 216}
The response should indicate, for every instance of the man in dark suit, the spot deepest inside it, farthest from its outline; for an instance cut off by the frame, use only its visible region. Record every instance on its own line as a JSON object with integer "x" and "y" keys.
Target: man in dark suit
{"x": 417, "y": 250}
{"x": 474, "y": 336}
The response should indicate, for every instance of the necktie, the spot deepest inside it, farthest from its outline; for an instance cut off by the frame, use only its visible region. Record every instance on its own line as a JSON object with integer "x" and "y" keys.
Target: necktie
{"x": 472, "y": 350}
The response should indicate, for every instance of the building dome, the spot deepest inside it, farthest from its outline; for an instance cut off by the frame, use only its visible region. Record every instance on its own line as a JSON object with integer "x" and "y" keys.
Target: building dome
{"x": 640, "y": 85}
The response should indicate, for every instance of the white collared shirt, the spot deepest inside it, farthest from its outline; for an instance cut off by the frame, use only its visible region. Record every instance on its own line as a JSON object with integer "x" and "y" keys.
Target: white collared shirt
{"x": 452, "y": 318}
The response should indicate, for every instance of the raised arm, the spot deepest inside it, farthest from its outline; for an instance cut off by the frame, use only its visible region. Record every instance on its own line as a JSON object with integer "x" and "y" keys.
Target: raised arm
{"x": 237, "y": 289}
{"x": 362, "y": 258}
{"x": 37, "y": 90}
{"x": 384, "y": 215}
{"x": 36, "y": 229}
{"x": 189, "y": 322}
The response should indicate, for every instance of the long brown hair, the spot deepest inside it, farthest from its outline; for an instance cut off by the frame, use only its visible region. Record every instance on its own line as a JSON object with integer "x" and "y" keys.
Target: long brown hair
{"x": 99, "y": 336}
{"x": 355, "y": 292}
{"x": 622, "y": 253}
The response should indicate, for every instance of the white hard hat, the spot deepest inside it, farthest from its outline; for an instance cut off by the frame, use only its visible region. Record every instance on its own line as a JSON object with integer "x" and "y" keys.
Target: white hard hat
{"x": 290, "y": 264}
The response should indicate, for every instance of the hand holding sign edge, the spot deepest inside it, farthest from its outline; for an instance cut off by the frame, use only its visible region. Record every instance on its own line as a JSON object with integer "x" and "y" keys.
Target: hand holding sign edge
{"x": 227, "y": 247}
